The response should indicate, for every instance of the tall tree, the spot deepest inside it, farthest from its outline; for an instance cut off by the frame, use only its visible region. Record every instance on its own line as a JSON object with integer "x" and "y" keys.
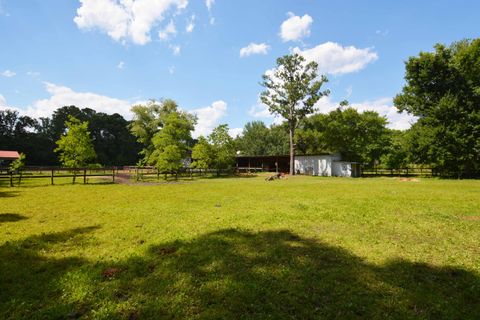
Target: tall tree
{"x": 291, "y": 92}
{"x": 443, "y": 91}
{"x": 171, "y": 142}
{"x": 75, "y": 147}
{"x": 148, "y": 119}
{"x": 254, "y": 139}
{"x": 202, "y": 154}
{"x": 223, "y": 147}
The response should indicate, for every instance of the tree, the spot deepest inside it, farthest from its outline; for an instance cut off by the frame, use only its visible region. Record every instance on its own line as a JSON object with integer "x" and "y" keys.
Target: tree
{"x": 291, "y": 92}
{"x": 361, "y": 137}
{"x": 223, "y": 148}
{"x": 202, "y": 154}
{"x": 254, "y": 140}
{"x": 18, "y": 164}
{"x": 147, "y": 120}
{"x": 443, "y": 90}
{"x": 75, "y": 146}
{"x": 170, "y": 144}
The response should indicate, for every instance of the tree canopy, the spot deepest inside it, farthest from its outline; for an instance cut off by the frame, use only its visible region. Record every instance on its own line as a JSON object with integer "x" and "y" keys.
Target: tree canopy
{"x": 443, "y": 90}
{"x": 75, "y": 146}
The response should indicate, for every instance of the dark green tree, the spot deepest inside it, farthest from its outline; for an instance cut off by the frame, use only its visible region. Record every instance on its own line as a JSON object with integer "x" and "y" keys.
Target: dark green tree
{"x": 443, "y": 90}
{"x": 223, "y": 147}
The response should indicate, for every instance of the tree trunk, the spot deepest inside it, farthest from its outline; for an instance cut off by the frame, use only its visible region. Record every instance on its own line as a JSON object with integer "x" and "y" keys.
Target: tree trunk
{"x": 292, "y": 151}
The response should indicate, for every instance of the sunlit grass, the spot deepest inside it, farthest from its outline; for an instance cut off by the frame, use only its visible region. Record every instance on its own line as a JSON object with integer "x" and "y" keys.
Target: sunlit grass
{"x": 304, "y": 247}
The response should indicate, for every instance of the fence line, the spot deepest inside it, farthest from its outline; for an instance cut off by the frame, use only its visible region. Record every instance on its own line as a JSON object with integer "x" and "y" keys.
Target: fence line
{"x": 407, "y": 171}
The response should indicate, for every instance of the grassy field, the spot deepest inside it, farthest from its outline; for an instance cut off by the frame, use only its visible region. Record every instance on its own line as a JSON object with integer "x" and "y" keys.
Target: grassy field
{"x": 242, "y": 248}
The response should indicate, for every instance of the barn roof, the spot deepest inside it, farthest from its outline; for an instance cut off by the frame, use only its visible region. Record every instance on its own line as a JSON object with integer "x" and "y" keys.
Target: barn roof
{"x": 9, "y": 155}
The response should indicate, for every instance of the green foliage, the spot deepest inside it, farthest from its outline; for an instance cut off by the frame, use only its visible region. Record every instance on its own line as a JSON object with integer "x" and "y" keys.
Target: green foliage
{"x": 147, "y": 121}
{"x": 223, "y": 147}
{"x": 258, "y": 139}
{"x": 361, "y": 137}
{"x": 443, "y": 91}
{"x": 75, "y": 148}
{"x": 396, "y": 154}
{"x": 202, "y": 154}
{"x": 170, "y": 144}
{"x": 18, "y": 164}
{"x": 293, "y": 88}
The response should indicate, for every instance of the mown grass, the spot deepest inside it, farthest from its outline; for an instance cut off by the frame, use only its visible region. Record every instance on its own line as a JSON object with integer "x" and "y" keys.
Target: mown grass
{"x": 238, "y": 248}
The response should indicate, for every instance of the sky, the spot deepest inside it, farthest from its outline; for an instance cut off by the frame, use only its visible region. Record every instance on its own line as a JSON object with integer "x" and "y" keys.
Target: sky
{"x": 209, "y": 55}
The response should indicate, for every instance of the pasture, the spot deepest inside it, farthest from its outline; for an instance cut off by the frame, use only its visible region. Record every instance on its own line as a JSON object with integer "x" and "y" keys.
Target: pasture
{"x": 242, "y": 248}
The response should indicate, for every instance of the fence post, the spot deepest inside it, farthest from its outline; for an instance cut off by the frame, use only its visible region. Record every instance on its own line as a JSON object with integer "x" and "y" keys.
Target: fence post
{"x": 52, "y": 177}
{"x": 113, "y": 174}
{"x": 11, "y": 178}
{"x": 407, "y": 171}
{"x": 84, "y": 176}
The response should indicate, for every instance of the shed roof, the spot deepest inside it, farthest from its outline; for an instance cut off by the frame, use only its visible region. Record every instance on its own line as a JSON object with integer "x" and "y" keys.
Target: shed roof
{"x": 9, "y": 155}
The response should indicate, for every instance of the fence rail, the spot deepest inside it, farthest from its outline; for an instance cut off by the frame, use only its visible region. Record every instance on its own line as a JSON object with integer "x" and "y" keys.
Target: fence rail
{"x": 16, "y": 177}
{"x": 412, "y": 171}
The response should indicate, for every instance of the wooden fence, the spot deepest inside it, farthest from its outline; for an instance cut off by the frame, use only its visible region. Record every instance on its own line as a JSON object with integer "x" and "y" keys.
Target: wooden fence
{"x": 407, "y": 171}
{"x": 52, "y": 173}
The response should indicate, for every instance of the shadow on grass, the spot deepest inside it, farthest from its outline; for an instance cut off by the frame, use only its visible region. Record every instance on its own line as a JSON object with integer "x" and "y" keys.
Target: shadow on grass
{"x": 11, "y": 217}
{"x": 232, "y": 274}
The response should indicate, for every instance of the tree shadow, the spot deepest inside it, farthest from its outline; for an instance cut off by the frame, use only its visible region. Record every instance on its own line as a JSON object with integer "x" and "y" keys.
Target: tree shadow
{"x": 30, "y": 282}
{"x": 11, "y": 217}
{"x": 232, "y": 274}
{"x": 8, "y": 194}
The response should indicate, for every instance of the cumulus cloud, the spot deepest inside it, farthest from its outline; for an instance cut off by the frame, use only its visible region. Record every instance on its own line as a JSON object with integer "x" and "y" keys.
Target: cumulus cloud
{"x": 254, "y": 48}
{"x": 295, "y": 27}
{"x": 175, "y": 49}
{"x": 209, "y": 117}
{"x": 167, "y": 32}
{"x": 335, "y": 59}
{"x": 3, "y": 101}
{"x": 124, "y": 20}
{"x": 121, "y": 65}
{"x": 63, "y": 96}
{"x": 190, "y": 24}
{"x": 235, "y": 132}
{"x": 384, "y": 107}
{"x": 8, "y": 73}
{"x": 209, "y": 4}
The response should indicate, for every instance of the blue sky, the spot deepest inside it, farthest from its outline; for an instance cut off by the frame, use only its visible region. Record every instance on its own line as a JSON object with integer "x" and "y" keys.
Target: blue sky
{"x": 109, "y": 54}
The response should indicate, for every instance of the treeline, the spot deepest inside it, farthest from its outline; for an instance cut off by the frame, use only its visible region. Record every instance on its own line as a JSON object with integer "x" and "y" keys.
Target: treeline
{"x": 112, "y": 140}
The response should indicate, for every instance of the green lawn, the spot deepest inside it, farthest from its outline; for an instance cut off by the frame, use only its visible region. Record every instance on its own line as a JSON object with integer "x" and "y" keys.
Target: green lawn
{"x": 242, "y": 248}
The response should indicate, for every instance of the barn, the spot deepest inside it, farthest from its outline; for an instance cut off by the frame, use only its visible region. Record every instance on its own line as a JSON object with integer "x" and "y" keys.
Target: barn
{"x": 318, "y": 165}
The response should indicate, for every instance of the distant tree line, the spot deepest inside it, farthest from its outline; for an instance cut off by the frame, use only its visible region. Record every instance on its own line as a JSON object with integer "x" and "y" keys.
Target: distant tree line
{"x": 112, "y": 140}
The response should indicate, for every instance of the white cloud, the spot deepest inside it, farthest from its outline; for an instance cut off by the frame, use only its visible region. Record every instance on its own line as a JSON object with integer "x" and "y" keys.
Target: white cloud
{"x": 254, "y": 48}
{"x": 190, "y": 24}
{"x": 235, "y": 132}
{"x": 334, "y": 59}
{"x": 208, "y": 118}
{"x": 63, "y": 96}
{"x": 125, "y": 19}
{"x": 121, "y": 65}
{"x": 34, "y": 74}
{"x": 167, "y": 32}
{"x": 8, "y": 73}
{"x": 3, "y": 102}
{"x": 209, "y": 4}
{"x": 383, "y": 33}
{"x": 175, "y": 49}
{"x": 171, "y": 69}
{"x": 295, "y": 27}
{"x": 384, "y": 107}
{"x": 212, "y": 21}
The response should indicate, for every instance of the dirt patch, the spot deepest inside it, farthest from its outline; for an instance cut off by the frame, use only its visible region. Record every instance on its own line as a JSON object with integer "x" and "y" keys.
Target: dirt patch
{"x": 470, "y": 218}
{"x": 167, "y": 250}
{"x": 408, "y": 179}
{"x": 110, "y": 273}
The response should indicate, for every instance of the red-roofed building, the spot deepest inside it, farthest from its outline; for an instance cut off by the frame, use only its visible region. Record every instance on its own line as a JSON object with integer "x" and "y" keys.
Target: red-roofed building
{"x": 9, "y": 155}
